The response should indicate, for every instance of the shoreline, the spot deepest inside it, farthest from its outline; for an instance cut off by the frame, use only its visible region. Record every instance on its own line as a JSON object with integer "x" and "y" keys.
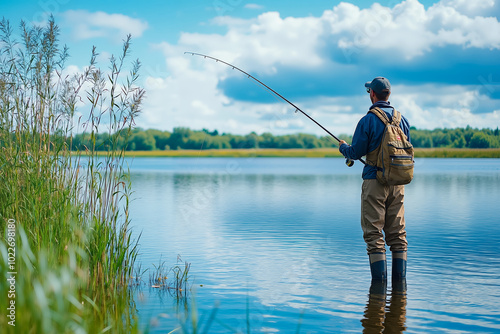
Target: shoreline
{"x": 493, "y": 153}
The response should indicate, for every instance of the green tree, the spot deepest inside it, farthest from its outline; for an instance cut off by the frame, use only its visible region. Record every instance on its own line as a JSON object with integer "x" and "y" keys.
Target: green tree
{"x": 459, "y": 142}
{"x": 197, "y": 140}
{"x": 213, "y": 133}
{"x": 468, "y": 133}
{"x": 421, "y": 138}
{"x": 179, "y": 138}
{"x": 142, "y": 141}
{"x": 479, "y": 140}
{"x": 308, "y": 140}
{"x": 441, "y": 139}
{"x": 329, "y": 141}
{"x": 219, "y": 142}
{"x": 267, "y": 140}
{"x": 251, "y": 140}
{"x": 290, "y": 141}
{"x": 161, "y": 138}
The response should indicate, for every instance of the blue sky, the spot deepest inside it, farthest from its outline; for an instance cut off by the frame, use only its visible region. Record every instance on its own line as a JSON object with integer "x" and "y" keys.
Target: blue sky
{"x": 442, "y": 58}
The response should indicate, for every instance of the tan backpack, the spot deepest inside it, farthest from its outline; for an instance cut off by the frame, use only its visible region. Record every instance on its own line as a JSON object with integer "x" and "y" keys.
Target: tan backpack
{"x": 394, "y": 156}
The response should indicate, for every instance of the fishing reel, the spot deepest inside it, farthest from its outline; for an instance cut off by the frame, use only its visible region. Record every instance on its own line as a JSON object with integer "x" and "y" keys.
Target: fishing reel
{"x": 349, "y": 162}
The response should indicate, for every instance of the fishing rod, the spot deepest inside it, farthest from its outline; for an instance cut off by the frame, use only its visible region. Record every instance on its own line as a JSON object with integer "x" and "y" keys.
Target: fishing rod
{"x": 348, "y": 161}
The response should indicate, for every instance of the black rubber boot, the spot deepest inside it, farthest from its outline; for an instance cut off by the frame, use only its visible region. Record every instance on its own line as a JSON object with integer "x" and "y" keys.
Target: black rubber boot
{"x": 378, "y": 266}
{"x": 378, "y": 288}
{"x": 399, "y": 265}
{"x": 399, "y": 287}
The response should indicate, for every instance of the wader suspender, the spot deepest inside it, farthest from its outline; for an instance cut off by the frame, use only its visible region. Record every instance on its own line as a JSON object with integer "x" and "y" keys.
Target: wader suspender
{"x": 372, "y": 157}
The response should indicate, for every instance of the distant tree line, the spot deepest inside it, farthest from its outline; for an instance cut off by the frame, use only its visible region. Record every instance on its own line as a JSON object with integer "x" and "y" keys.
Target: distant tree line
{"x": 185, "y": 138}
{"x": 457, "y": 138}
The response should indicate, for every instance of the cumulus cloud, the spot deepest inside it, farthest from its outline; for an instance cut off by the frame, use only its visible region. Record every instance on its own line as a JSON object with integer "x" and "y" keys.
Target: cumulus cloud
{"x": 348, "y": 34}
{"x": 253, "y": 6}
{"x": 87, "y": 25}
{"x": 434, "y": 56}
{"x": 408, "y": 29}
{"x": 262, "y": 42}
{"x": 473, "y": 8}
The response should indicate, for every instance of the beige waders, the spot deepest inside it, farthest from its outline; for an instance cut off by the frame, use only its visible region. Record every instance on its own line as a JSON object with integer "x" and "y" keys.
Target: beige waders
{"x": 382, "y": 212}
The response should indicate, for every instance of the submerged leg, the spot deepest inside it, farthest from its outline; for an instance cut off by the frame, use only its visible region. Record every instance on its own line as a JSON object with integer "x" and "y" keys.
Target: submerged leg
{"x": 399, "y": 265}
{"x": 378, "y": 266}
{"x": 373, "y": 198}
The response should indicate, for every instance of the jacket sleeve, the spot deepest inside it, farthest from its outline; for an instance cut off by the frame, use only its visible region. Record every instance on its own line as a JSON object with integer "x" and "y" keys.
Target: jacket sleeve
{"x": 360, "y": 141}
{"x": 405, "y": 126}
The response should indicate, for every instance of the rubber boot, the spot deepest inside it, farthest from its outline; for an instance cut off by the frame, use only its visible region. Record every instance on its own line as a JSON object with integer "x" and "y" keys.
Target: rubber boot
{"x": 378, "y": 266}
{"x": 378, "y": 288}
{"x": 399, "y": 265}
{"x": 399, "y": 287}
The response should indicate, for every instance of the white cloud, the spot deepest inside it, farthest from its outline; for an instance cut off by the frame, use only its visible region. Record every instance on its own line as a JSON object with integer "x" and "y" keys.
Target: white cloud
{"x": 268, "y": 38}
{"x": 455, "y": 28}
{"x": 253, "y": 6}
{"x": 471, "y": 8}
{"x": 103, "y": 57}
{"x": 87, "y": 25}
{"x": 433, "y": 106}
{"x": 408, "y": 28}
{"x": 191, "y": 95}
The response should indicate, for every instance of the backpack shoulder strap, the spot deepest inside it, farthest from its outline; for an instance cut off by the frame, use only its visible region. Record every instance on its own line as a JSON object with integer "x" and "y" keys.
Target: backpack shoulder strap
{"x": 380, "y": 114}
{"x": 396, "y": 117}
{"x": 372, "y": 157}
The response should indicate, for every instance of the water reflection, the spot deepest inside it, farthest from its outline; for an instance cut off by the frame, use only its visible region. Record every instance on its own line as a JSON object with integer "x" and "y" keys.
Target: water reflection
{"x": 382, "y": 316}
{"x": 280, "y": 238}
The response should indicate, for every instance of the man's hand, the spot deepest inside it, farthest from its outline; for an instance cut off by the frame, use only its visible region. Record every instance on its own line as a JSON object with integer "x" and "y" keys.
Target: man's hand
{"x": 342, "y": 142}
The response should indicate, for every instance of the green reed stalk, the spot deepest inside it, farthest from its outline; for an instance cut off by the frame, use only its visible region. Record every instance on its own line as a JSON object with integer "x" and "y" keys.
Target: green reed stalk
{"x": 74, "y": 249}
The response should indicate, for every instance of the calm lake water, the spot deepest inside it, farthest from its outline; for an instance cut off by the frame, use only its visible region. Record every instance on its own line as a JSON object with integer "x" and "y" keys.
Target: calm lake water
{"x": 275, "y": 245}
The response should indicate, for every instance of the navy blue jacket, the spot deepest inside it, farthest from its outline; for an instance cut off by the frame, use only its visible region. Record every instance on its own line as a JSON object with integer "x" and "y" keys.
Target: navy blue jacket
{"x": 368, "y": 135}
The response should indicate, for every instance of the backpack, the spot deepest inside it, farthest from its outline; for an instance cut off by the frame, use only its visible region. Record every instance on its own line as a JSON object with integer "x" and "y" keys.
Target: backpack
{"x": 394, "y": 156}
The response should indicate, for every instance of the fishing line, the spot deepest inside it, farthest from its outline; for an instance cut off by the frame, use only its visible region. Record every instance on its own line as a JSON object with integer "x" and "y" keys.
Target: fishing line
{"x": 348, "y": 162}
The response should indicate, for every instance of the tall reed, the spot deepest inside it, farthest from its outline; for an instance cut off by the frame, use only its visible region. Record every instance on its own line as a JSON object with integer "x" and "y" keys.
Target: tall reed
{"x": 74, "y": 249}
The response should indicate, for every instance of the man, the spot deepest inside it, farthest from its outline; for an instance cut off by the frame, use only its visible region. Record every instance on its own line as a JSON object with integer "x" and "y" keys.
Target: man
{"x": 381, "y": 205}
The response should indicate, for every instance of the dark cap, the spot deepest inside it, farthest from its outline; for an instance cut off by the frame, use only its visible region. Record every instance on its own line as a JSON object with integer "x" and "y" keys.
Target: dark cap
{"x": 379, "y": 84}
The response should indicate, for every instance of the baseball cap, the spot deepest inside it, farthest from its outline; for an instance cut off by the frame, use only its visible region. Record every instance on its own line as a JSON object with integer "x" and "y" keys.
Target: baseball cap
{"x": 379, "y": 84}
